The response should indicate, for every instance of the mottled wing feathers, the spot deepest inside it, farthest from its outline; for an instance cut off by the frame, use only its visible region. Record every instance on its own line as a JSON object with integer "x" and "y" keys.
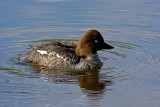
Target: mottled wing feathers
{"x": 56, "y": 54}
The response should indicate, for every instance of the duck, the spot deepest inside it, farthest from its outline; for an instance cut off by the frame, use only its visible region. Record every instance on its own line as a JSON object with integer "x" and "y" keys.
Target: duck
{"x": 68, "y": 54}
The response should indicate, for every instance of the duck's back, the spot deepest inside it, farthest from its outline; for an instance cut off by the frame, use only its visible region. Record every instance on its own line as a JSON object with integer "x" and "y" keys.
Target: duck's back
{"x": 54, "y": 54}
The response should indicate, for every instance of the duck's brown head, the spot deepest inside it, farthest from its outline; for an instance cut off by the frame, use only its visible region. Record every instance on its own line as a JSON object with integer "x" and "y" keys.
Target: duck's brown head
{"x": 90, "y": 43}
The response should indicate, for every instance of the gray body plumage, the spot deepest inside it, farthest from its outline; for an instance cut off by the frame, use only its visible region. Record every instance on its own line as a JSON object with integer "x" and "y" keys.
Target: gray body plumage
{"x": 62, "y": 55}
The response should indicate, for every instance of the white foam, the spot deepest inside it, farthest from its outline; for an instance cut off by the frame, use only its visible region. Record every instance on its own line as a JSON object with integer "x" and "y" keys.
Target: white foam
{"x": 42, "y": 51}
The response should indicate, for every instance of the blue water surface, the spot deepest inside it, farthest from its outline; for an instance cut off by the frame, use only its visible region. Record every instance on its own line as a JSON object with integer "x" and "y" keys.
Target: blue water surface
{"x": 130, "y": 73}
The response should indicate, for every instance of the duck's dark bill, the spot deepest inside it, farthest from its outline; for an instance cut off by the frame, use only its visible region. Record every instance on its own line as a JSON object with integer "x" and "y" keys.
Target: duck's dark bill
{"x": 106, "y": 46}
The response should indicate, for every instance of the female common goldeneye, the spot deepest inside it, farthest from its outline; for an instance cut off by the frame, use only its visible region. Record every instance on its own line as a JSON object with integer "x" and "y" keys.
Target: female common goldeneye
{"x": 69, "y": 54}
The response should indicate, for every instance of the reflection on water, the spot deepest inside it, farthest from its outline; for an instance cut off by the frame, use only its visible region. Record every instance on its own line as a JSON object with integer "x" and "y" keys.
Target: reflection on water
{"x": 92, "y": 84}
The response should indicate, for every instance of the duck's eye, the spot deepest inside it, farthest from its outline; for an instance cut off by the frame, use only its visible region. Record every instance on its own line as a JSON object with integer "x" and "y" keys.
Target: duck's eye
{"x": 95, "y": 41}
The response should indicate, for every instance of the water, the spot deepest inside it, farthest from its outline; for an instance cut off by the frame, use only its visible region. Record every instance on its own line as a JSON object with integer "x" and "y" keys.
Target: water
{"x": 130, "y": 72}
